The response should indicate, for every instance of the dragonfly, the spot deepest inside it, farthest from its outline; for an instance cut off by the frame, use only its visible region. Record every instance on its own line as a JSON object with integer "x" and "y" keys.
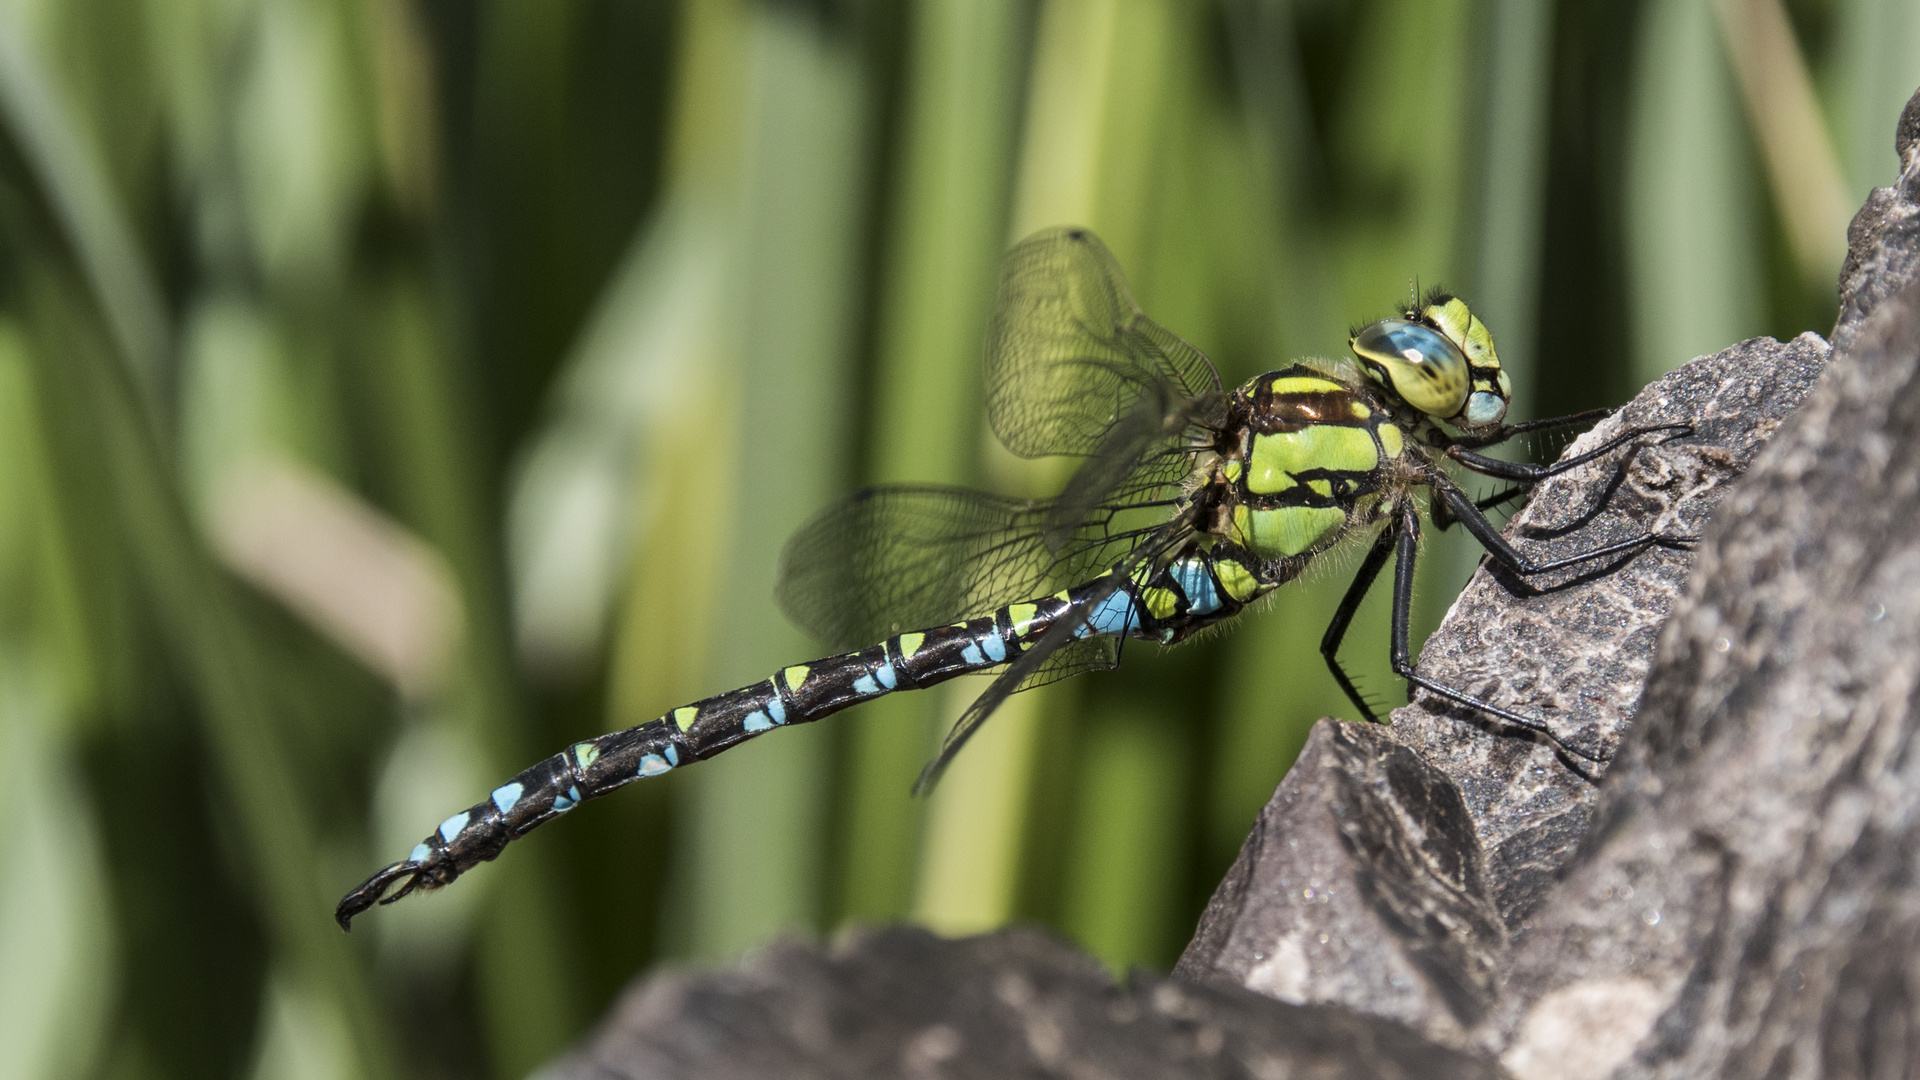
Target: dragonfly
{"x": 1191, "y": 502}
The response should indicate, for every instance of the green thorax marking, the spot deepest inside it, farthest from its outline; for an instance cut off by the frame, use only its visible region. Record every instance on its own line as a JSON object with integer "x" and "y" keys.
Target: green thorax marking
{"x": 1310, "y": 448}
{"x": 1276, "y": 461}
{"x": 1287, "y": 531}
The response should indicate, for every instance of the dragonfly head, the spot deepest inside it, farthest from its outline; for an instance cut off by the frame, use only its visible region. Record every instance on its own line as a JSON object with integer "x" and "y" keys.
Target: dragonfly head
{"x": 1438, "y": 358}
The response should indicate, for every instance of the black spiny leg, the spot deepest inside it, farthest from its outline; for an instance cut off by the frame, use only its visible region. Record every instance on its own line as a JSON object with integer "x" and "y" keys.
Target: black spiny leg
{"x": 1546, "y": 424}
{"x": 1407, "y": 549}
{"x": 1466, "y": 513}
{"x": 1507, "y": 470}
{"x": 1343, "y": 617}
{"x": 1443, "y": 517}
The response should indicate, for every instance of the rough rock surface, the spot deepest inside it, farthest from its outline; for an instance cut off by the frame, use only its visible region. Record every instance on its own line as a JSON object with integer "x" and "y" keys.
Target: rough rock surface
{"x": 1728, "y": 890}
{"x": 1748, "y": 903}
{"x": 902, "y": 1002}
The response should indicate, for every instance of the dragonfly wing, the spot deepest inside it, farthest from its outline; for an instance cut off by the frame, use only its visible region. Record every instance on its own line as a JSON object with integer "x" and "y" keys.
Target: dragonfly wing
{"x": 890, "y": 559}
{"x": 1140, "y": 457}
{"x": 1059, "y": 653}
{"x": 1031, "y": 665}
{"x": 1070, "y": 353}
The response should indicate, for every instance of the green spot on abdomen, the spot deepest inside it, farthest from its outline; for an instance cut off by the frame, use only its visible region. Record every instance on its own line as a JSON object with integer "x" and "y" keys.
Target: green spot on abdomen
{"x": 586, "y": 754}
{"x": 1020, "y": 616}
{"x": 910, "y": 644}
{"x": 684, "y": 716}
{"x": 795, "y": 675}
{"x": 1236, "y": 580}
{"x": 1161, "y": 602}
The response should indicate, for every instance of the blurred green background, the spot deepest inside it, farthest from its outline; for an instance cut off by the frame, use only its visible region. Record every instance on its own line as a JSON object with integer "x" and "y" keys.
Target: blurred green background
{"x": 392, "y": 391}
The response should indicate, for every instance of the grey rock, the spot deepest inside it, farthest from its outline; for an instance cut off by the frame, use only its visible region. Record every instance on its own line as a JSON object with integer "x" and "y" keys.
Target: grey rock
{"x": 903, "y": 1003}
{"x": 1747, "y": 903}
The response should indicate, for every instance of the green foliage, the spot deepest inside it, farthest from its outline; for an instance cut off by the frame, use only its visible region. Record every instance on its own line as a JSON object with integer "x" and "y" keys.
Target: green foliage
{"x": 392, "y": 391}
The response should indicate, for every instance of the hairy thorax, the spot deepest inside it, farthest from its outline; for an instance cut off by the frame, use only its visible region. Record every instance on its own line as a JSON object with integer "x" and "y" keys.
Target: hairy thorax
{"x": 1306, "y": 459}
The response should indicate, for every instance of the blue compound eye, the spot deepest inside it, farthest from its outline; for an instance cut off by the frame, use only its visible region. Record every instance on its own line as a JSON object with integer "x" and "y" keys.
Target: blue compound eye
{"x": 1425, "y": 369}
{"x": 1484, "y": 409}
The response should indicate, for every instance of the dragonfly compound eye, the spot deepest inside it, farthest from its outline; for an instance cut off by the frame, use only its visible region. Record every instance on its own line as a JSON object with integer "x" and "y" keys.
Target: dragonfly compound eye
{"x": 1416, "y": 362}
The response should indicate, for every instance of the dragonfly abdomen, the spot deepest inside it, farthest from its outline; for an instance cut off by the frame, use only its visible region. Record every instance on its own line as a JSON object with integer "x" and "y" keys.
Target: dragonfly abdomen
{"x": 1196, "y": 590}
{"x": 797, "y": 694}
{"x": 1193, "y": 592}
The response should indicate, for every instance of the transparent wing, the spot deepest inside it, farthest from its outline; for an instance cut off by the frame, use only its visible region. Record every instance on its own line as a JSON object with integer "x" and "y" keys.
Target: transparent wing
{"x": 1057, "y": 655}
{"x": 887, "y": 560}
{"x": 1070, "y": 354}
{"x": 1073, "y": 368}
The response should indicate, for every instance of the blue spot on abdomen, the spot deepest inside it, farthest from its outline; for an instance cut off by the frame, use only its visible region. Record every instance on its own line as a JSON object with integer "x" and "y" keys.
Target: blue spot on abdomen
{"x": 1114, "y": 615}
{"x": 995, "y": 648}
{"x": 1197, "y": 584}
{"x": 506, "y": 795}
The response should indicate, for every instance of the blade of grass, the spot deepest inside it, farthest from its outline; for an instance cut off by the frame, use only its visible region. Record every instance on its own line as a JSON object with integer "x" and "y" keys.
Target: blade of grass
{"x": 976, "y": 841}
{"x": 421, "y": 415}
{"x": 1511, "y": 187}
{"x": 1124, "y": 882}
{"x": 1266, "y": 708}
{"x": 89, "y": 401}
{"x": 1878, "y": 62}
{"x": 756, "y": 820}
{"x": 104, "y": 399}
{"x": 1501, "y": 245}
{"x": 1693, "y": 251}
{"x": 1791, "y": 131}
{"x": 956, "y": 143}
{"x": 1115, "y": 778}
{"x": 69, "y": 175}
{"x": 59, "y": 959}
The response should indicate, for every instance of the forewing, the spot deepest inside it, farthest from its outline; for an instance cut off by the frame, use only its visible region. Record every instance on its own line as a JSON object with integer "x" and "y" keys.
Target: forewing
{"x": 1142, "y": 457}
{"x": 1070, "y": 354}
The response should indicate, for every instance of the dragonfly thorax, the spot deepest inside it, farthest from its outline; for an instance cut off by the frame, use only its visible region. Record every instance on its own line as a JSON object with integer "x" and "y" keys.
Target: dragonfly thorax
{"x": 1304, "y": 459}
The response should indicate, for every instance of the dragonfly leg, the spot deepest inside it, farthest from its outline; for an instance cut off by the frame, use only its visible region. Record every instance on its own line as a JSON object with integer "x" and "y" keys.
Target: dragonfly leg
{"x": 1467, "y": 514}
{"x": 1443, "y": 518}
{"x": 1407, "y": 549}
{"x": 1508, "y": 470}
{"x": 1343, "y": 618}
{"x": 1544, "y": 424}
